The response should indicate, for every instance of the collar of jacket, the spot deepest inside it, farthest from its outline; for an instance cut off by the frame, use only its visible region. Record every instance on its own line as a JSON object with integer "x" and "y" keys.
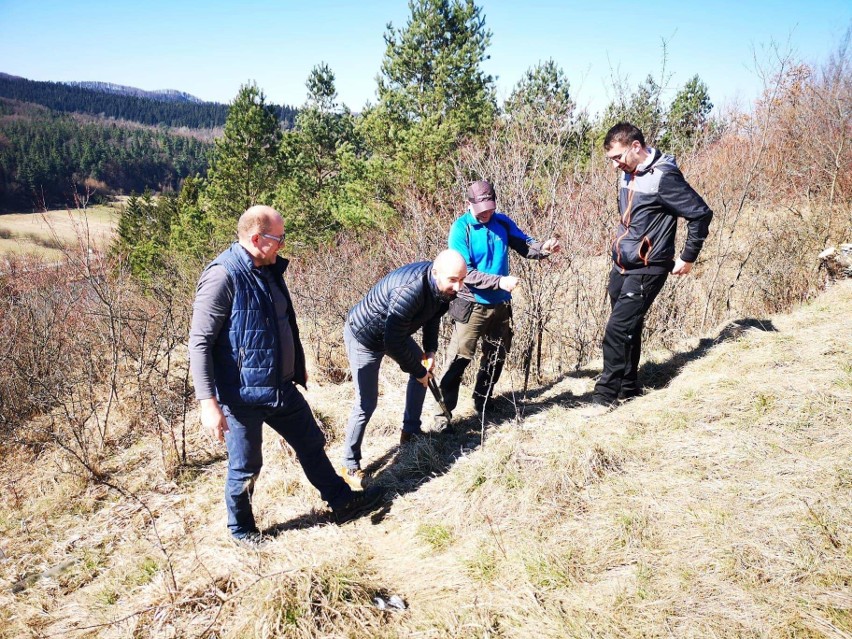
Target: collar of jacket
{"x": 649, "y": 165}
{"x": 244, "y": 258}
{"x": 433, "y": 284}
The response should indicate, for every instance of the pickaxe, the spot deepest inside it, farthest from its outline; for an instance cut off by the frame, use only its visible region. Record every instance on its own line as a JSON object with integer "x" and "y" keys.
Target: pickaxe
{"x": 436, "y": 392}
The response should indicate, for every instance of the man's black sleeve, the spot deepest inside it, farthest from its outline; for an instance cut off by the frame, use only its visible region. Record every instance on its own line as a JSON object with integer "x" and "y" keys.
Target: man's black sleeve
{"x": 403, "y": 305}
{"x": 682, "y": 200}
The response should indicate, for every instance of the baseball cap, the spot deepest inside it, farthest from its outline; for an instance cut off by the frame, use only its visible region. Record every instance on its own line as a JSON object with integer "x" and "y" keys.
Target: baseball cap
{"x": 481, "y": 196}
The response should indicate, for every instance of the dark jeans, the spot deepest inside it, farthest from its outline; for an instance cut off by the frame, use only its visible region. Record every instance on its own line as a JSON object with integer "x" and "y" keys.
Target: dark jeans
{"x": 630, "y": 296}
{"x": 494, "y": 325}
{"x": 365, "y": 364}
{"x": 293, "y": 420}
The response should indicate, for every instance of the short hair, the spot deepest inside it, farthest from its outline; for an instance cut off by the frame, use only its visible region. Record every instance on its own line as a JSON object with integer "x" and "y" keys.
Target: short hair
{"x": 623, "y": 133}
{"x": 257, "y": 219}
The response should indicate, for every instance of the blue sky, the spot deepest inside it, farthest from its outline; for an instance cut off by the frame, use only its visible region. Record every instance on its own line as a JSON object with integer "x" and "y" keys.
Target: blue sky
{"x": 209, "y": 48}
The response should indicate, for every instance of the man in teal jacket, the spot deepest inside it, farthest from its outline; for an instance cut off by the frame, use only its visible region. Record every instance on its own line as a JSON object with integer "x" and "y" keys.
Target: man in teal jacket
{"x": 483, "y": 308}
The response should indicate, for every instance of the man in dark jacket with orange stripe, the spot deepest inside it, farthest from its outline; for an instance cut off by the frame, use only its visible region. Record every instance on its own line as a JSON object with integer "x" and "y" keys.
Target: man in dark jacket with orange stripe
{"x": 652, "y": 195}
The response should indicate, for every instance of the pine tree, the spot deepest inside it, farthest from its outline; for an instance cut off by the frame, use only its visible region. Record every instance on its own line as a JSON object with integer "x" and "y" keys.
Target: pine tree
{"x": 324, "y": 166}
{"x": 687, "y": 116}
{"x": 245, "y": 166}
{"x": 541, "y": 111}
{"x": 432, "y": 92}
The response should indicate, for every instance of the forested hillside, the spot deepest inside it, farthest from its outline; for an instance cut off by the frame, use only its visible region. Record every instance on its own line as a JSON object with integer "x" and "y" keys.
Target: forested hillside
{"x": 164, "y": 95}
{"x": 69, "y": 98}
{"x": 49, "y": 154}
{"x": 46, "y": 157}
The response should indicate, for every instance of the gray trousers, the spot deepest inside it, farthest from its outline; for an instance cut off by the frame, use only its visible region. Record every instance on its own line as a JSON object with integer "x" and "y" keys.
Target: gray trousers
{"x": 364, "y": 364}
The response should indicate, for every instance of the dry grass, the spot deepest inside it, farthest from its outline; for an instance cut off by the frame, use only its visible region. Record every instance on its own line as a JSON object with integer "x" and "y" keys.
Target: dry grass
{"x": 46, "y": 233}
{"x": 718, "y": 505}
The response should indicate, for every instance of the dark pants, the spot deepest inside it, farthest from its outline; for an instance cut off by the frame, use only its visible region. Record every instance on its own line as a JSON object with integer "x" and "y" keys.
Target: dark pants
{"x": 293, "y": 420}
{"x": 630, "y": 296}
{"x": 365, "y": 364}
{"x": 494, "y": 325}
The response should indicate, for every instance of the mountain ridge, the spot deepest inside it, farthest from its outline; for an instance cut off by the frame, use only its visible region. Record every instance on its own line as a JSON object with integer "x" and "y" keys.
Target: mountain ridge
{"x": 164, "y": 95}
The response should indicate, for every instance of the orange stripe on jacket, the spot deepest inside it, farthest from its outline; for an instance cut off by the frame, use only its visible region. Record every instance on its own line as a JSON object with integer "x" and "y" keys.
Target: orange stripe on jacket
{"x": 625, "y": 220}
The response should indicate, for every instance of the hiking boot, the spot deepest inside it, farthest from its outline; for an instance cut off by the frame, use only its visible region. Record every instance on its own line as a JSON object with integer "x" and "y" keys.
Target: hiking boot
{"x": 406, "y": 438}
{"x": 633, "y": 393}
{"x": 252, "y": 540}
{"x": 362, "y": 501}
{"x": 355, "y": 477}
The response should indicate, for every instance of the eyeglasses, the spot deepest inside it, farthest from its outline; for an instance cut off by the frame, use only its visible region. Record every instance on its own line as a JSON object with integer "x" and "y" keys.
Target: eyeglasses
{"x": 277, "y": 238}
{"x": 618, "y": 158}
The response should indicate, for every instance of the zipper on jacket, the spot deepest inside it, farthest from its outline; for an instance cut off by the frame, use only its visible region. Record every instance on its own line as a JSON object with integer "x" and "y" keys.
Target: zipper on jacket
{"x": 240, "y": 359}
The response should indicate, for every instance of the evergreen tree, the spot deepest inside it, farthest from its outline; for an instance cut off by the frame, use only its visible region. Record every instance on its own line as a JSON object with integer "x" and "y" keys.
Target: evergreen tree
{"x": 541, "y": 112}
{"x": 246, "y": 162}
{"x": 324, "y": 166}
{"x": 129, "y": 225}
{"x": 432, "y": 92}
{"x": 191, "y": 234}
{"x": 642, "y": 108}
{"x": 687, "y": 116}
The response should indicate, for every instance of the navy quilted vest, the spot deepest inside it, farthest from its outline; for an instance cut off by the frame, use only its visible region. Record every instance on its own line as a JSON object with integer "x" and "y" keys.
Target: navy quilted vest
{"x": 246, "y": 353}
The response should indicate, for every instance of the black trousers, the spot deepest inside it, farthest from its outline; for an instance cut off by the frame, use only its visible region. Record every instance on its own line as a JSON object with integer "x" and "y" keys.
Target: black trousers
{"x": 630, "y": 296}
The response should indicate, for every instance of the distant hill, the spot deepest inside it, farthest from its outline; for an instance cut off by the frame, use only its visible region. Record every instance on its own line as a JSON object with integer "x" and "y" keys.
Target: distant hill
{"x": 114, "y": 101}
{"x": 47, "y": 156}
{"x": 163, "y": 95}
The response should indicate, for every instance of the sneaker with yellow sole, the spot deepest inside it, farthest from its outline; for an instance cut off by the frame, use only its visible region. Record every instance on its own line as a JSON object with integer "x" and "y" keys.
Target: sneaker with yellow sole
{"x": 355, "y": 477}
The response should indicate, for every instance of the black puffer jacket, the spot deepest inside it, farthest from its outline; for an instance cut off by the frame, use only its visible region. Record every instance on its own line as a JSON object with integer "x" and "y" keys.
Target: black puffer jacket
{"x": 400, "y": 304}
{"x": 650, "y": 201}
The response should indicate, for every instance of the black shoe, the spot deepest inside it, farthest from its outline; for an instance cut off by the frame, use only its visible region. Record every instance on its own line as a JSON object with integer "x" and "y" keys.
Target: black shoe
{"x": 362, "y": 501}
{"x": 406, "y": 437}
{"x": 627, "y": 395}
{"x": 252, "y": 540}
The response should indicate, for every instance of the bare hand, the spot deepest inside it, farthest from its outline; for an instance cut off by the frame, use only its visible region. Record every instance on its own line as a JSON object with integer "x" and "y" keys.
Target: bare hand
{"x": 508, "y": 283}
{"x": 213, "y": 419}
{"x": 551, "y": 246}
{"x": 681, "y": 267}
{"x": 429, "y": 361}
{"x": 425, "y": 379}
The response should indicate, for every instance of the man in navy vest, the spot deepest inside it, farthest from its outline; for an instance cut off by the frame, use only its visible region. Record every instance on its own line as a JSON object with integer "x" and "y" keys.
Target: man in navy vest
{"x": 246, "y": 359}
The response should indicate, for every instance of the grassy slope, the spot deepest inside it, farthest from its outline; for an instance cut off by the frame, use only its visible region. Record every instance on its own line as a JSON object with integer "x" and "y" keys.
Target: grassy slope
{"x": 718, "y": 505}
